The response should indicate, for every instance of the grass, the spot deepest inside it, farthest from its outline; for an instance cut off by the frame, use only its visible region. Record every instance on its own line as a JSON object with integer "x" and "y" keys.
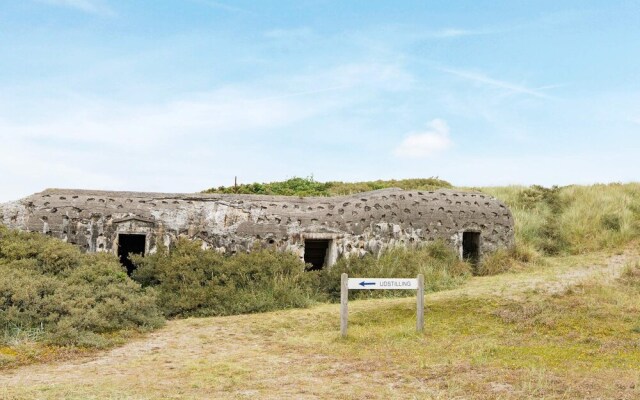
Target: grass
{"x": 586, "y": 218}
{"x": 586, "y": 333}
{"x": 28, "y": 348}
{"x": 497, "y": 337}
{"x": 14, "y": 335}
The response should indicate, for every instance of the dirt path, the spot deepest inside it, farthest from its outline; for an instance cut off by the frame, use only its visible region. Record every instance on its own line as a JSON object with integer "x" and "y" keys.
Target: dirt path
{"x": 194, "y": 358}
{"x": 214, "y": 357}
{"x": 554, "y": 279}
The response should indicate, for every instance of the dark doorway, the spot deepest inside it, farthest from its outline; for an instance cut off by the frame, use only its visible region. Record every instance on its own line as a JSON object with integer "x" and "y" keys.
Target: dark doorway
{"x": 130, "y": 244}
{"x": 315, "y": 253}
{"x": 471, "y": 247}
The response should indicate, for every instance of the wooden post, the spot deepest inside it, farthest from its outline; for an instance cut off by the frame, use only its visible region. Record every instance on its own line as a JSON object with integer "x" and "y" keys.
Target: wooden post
{"x": 420, "y": 304}
{"x": 344, "y": 304}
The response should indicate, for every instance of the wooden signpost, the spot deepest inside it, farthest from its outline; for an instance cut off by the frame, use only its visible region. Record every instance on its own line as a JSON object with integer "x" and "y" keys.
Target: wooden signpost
{"x": 347, "y": 284}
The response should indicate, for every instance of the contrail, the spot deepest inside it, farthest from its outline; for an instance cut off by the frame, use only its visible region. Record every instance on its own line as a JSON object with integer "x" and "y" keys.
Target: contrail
{"x": 302, "y": 93}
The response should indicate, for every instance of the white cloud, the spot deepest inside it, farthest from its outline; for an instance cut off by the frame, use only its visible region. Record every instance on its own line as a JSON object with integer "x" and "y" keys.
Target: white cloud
{"x": 188, "y": 142}
{"x": 88, "y": 6}
{"x": 238, "y": 109}
{"x": 216, "y": 113}
{"x": 156, "y": 147}
{"x": 426, "y": 143}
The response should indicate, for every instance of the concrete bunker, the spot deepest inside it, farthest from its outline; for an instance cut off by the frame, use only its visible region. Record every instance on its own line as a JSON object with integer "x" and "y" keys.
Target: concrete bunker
{"x": 319, "y": 230}
{"x": 130, "y": 243}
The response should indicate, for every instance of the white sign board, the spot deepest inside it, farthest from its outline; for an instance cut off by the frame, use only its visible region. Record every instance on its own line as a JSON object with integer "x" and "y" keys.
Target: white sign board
{"x": 382, "y": 283}
{"x": 347, "y": 284}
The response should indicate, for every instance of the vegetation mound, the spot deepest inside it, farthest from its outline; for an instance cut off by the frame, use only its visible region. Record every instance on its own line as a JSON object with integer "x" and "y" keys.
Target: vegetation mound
{"x": 309, "y": 187}
{"x": 50, "y": 291}
{"x": 194, "y": 282}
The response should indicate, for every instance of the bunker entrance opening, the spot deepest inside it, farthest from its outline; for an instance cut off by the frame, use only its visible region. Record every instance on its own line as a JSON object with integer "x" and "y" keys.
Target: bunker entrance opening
{"x": 130, "y": 244}
{"x": 315, "y": 253}
{"x": 471, "y": 247}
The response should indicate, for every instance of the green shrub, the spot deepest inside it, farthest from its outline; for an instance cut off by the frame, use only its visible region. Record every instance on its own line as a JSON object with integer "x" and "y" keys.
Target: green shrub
{"x": 551, "y": 238}
{"x": 536, "y": 194}
{"x": 50, "y": 287}
{"x": 291, "y": 187}
{"x": 196, "y": 282}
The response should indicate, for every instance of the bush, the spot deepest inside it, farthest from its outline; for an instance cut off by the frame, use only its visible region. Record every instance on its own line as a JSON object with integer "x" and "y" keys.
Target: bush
{"x": 50, "y": 287}
{"x": 290, "y": 187}
{"x": 196, "y": 282}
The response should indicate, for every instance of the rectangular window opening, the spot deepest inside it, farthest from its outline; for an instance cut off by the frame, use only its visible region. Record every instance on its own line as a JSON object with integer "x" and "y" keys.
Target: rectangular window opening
{"x": 315, "y": 253}
{"x": 471, "y": 247}
{"x": 130, "y": 244}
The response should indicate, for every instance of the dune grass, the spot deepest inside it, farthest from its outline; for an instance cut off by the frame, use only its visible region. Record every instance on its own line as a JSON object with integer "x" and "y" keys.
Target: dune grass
{"x": 580, "y": 219}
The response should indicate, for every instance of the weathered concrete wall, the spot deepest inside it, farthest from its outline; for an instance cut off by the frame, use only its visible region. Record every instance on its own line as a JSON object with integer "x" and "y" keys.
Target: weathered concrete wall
{"x": 356, "y": 224}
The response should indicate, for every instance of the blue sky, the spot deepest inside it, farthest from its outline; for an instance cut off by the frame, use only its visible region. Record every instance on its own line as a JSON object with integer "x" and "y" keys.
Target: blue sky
{"x": 182, "y": 95}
